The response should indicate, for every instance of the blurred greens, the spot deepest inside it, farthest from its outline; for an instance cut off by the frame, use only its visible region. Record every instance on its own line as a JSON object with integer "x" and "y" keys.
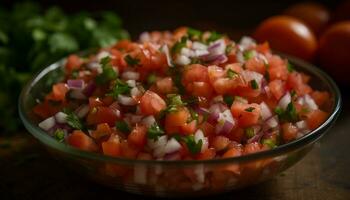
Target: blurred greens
{"x": 31, "y": 38}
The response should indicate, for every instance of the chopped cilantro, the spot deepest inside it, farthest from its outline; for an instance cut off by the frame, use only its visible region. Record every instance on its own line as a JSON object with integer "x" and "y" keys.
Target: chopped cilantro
{"x": 290, "y": 114}
{"x": 131, "y": 61}
{"x": 250, "y": 109}
{"x": 231, "y": 73}
{"x": 194, "y": 33}
{"x": 229, "y": 48}
{"x": 249, "y": 132}
{"x": 214, "y": 36}
{"x": 122, "y": 126}
{"x": 228, "y": 100}
{"x": 194, "y": 116}
{"x": 293, "y": 93}
{"x": 108, "y": 72}
{"x": 120, "y": 87}
{"x": 74, "y": 121}
{"x": 278, "y": 111}
{"x": 154, "y": 132}
{"x": 248, "y": 54}
{"x": 254, "y": 84}
{"x": 290, "y": 67}
{"x": 179, "y": 45}
{"x": 193, "y": 146}
{"x": 59, "y": 135}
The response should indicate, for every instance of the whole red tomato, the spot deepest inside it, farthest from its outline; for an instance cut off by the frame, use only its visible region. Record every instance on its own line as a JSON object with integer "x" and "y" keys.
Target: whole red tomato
{"x": 334, "y": 51}
{"x": 288, "y": 35}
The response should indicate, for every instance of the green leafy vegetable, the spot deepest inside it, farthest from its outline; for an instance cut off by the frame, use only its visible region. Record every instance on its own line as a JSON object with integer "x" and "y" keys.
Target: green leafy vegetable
{"x": 154, "y": 132}
{"x": 290, "y": 114}
{"x": 193, "y": 146}
{"x": 179, "y": 45}
{"x": 194, "y": 33}
{"x": 228, "y": 100}
{"x": 269, "y": 142}
{"x": 250, "y": 109}
{"x": 122, "y": 126}
{"x": 120, "y": 87}
{"x": 290, "y": 67}
{"x": 231, "y": 73}
{"x": 254, "y": 84}
{"x": 214, "y": 36}
{"x": 108, "y": 72}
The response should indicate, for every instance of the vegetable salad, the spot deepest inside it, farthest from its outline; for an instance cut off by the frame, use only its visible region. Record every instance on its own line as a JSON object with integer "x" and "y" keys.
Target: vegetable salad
{"x": 181, "y": 95}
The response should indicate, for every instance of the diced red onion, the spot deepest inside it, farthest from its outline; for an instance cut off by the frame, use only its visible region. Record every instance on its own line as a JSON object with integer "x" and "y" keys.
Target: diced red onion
{"x": 301, "y": 125}
{"x": 271, "y": 122}
{"x": 186, "y": 52}
{"x": 202, "y": 111}
{"x": 285, "y": 100}
{"x": 182, "y": 60}
{"x": 47, "y": 124}
{"x": 89, "y": 89}
{"x": 94, "y": 66}
{"x": 140, "y": 174}
{"x": 256, "y": 137}
{"x": 172, "y": 146}
{"x": 199, "y": 135}
{"x": 148, "y": 121}
{"x": 77, "y": 94}
{"x": 251, "y": 75}
{"x": 240, "y": 57}
{"x": 199, "y": 46}
{"x": 126, "y": 101}
{"x": 246, "y": 42}
{"x": 161, "y": 142}
{"x": 217, "y": 48}
{"x": 82, "y": 110}
{"x": 75, "y": 84}
{"x": 61, "y": 117}
{"x": 265, "y": 111}
{"x": 131, "y": 83}
{"x": 129, "y": 75}
{"x": 199, "y": 53}
{"x": 310, "y": 103}
{"x": 225, "y": 123}
{"x": 215, "y": 111}
{"x": 135, "y": 92}
{"x": 166, "y": 51}
{"x": 220, "y": 59}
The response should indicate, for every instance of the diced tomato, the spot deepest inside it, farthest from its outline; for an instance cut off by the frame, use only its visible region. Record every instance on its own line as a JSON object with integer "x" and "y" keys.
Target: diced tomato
{"x": 118, "y": 60}
{"x": 73, "y": 63}
{"x": 151, "y": 103}
{"x": 200, "y": 89}
{"x": 45, "y": 109}
{"x": 99, "y": 115}
{"x": 102, "y": 130}
{"x": 165, "y": 85}
{"x": 128, "y": 151}
{"x": 58, "y": 93}
{"x": 137, "y": 136}
{"x": 220, "y": 143}
{"x": 215, "y": 72}
{"x": 107, "y": 100}
{"x": 175, "y": 120}
{"x": 207, "y": 129}
{"x": 246, "y": 114}
{"x": 189, "y": 128}
{"x": 196, "y": 80}
{"x": 277, "y": 68}
{"x": 236, "y": 67}
{"x": 112, "y": 147}
{"x": 277, "y": 88}
{"x": 251, "y": 148}
{"x": 315, "y": 118}
{"x": 236, "y": 135}
{"x": 263, "y": 48}
{"x": 233, "y": 152}
{"x": 95, "y": 102}
{"x": 256, "y": 64}
{"x": 289, "y": 132}
{"x": 320, "y": 97}
{"x": 295, "y": 82}
{"x": 80, "y": 140}
{"x": 207, "y": 154}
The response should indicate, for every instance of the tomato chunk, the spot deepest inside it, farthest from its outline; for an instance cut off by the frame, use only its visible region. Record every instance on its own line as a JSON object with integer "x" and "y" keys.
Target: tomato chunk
{"x": 151, "y": 103}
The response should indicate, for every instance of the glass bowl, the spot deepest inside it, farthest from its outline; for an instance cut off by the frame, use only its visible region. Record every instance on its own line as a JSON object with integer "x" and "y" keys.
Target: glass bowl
{"x": 177, "y": 178}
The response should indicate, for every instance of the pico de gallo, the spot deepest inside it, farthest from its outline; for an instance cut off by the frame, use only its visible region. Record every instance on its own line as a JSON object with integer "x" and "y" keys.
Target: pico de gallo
{"x": 181, "y": 95}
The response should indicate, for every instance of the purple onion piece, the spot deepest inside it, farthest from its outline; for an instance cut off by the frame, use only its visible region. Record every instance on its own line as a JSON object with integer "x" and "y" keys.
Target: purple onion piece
{"x": 75, "y": 84}
{"x": 89, "y": 89}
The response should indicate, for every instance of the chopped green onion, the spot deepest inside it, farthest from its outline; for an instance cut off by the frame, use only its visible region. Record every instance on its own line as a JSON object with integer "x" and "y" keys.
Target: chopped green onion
{"x": 194, "y": 33}
{"x": 59, "y": 135}
{"x": 248, "y": 54}
{"x": 108, "y": 72}
{"x": 179, "y": 45}
{"x": 151, "y": 79}
{"x": 249, "y": 132}
{"x": 214, "y": 36}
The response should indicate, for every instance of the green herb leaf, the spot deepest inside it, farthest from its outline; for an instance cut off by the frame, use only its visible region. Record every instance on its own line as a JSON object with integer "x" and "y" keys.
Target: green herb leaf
{"x": 228, "y": 99}
{"x": 74, "y": 121}
{"x": 151, "y": 79}
{"x": 120, "y": 87}
{"x": 250, "y": 109}
{"x": 231, "y": 73}
{"x": 194, "y": 33}
{"x": 179, "y": 45}
{"x": 214, "y": 36}
{"x": 122, "y": 126}
{"x": 131, "y": 61}
{"x": 59, "y": 135}
{"x": 293, "y": 93}
{"x": 194, "y": 116}
{"x": 193, "y": 146}
{"x": 291, "y": 112}
{"x": 229, "y": 48}
{"x": 154, "y": 132}
{"x": 254, "y": 84}
{"x": 108, "y": 72}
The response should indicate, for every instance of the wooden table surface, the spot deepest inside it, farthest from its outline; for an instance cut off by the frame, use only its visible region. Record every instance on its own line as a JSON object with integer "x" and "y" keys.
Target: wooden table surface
{"x": 28, "y": 172}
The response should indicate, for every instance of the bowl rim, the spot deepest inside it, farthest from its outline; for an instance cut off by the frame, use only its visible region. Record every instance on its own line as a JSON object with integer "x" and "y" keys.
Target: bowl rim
{"x": 305, "y": 140}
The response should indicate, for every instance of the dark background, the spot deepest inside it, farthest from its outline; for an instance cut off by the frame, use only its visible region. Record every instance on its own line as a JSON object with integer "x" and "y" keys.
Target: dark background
{"x": 221, "y": 15}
